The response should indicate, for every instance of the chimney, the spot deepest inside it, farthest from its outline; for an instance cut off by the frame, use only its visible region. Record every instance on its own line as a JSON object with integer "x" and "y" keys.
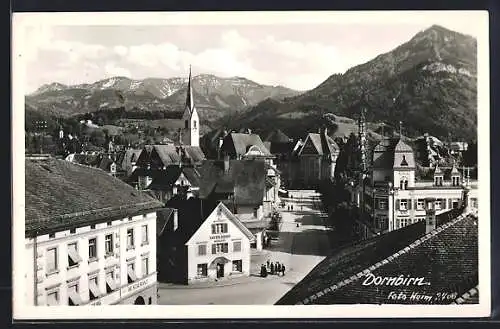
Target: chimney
{"x": 226, "y": 163}
{"x": 430, "y": 215}
{"x": 176, "y": 220}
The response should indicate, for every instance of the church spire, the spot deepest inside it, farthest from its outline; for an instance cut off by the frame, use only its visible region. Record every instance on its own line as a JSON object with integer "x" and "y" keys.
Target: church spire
{"x": 189, "y": 96}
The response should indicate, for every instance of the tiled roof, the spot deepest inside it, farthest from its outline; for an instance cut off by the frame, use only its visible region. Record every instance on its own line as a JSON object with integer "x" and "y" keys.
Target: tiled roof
{"x": 240, "y": 143}
{"x": 105, "y": 163}
{"x": 126, "y": 158}
{"x": 446, "y": 258}
{"x": 60, "y": 194}
{"x": 194, "y": 153}
{"x": 402, "y": 147}
{"x": 245, "y": 179}
{"x": 87, "y": 159}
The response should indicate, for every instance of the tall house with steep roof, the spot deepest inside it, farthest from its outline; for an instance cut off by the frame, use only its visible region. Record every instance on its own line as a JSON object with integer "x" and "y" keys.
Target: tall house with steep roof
{"x": 191, "y": 131}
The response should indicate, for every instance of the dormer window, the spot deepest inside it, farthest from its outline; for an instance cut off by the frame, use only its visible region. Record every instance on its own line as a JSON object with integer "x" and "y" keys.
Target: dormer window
{"x": 438, "y": 180}
{"x": 455, "y": 180}
{"x": 404, "y": 163}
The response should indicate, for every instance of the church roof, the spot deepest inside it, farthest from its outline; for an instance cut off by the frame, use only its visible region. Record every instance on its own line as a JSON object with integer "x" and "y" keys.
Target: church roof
{"x": 189, "y": 95}
{"x": 402, "y": 147}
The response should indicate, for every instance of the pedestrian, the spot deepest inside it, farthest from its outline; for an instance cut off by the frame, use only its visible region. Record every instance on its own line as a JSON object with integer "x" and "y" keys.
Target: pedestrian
{"x": 276, "y": 268}
{"x": 279, "y": 269}
{"x": 272, "y": 268}
{"x": 263, "y": 271}
{"x": 292, "y": 207}
{"x": 283, "y": 269}
{"x": 268, "y": 264}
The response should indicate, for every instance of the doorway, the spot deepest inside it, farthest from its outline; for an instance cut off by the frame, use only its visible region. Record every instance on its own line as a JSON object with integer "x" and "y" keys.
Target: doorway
{"x": 220, "y": 270}
{"x": 139, "y": 301}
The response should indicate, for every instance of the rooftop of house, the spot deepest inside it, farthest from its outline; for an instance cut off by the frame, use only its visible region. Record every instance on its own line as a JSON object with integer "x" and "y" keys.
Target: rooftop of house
{"x": 170, "y": 154}
{"x": 240, "y": 143}
{"x": 446, "y": 257}
{"x": 245, "y": 179}
{"x": 278, "y": 136}
{"x": 166, "y": 178}
{"x": 322, "y": 144}
{"x": 125, "y": 158}
{"x": 60, "y": 195}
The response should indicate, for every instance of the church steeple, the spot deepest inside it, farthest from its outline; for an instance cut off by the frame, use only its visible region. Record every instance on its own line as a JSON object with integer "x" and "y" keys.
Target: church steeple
{"x": 189, "y": 96}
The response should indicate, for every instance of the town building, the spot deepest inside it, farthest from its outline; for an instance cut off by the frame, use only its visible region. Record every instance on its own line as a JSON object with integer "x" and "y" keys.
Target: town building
{"x": 90, "y": 238}
{"x": 241, "y": 186}
{"x": 126, "y": 161}
{"x": 395, "y": 187}
{"x": 316, "y": 159}
{"x": 282, "y": 148}
{"x": 202, "y": 242}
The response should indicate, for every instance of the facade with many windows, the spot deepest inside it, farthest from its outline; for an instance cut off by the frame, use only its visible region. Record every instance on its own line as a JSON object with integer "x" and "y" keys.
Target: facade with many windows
{"x": 94, "y": 244}
{"x": 395, "y": 196}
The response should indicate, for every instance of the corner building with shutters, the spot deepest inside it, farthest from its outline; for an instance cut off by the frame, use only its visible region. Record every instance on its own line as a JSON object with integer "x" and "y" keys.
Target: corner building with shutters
{"x": 90, "y": 239}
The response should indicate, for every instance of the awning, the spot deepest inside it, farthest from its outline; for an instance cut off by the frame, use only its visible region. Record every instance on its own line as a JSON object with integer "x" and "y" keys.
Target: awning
{"x": 131, "y": 275}
{"x": 75, "y": 257}
{"x": 94, "y": 289}
{"x": 74, "y": 298}
{"x": 111, "y": 283}
{"x": 219, "y": 260}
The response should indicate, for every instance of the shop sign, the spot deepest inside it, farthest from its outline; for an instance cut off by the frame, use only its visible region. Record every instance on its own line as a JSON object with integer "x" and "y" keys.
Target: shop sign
{"x": 220, "y": 236}
{"x": 133, "y": 287}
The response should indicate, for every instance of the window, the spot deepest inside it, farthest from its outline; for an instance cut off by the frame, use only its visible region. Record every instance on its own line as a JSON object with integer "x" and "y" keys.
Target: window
{"x": 403, "y": 222}
{"x": 382, "y": 204}
{"x": 92, "y": 227}
{"x": 194, "y": 124}
{"x": 109, "y": 223}
{"x": 186, "y": 124}
{"x": 52, "y": 235}
{"x": 201, "y": 270}
{"x": 403, "y": 204}
{"x": 53, "y": 298}
{"x": 237, "y": 246}
{"x": 438, "y": 180}
{"x": 218, "y": 248}
{"x": 110, "y": 281}
{"x": 145, "y": 268}
{"x": 108, "y": 244}
{"x": 219, "y": 228}
{"x": 202, "y": 249}
{"x": 52, "y": 260}
{"x": 438, "y": 204}
{"x": 92, "y": 248}
{"x": 255, "y": 212}
{"x": 420, "y": 204}
{"x": 150, "y": 300}
{"x": 403, "y": 183}
{"x": 404, "y": 162}
{"x": 73, "y": 256}
{"x": 237, "y": 265}
{"x": 455, "y": 180}
{"x": 94, "y": 292}
{"x": 144, "y": 234}
{"x": 131, "y": 272}
{"x": 130, "y": 238}
{"x": 74, "y": 298}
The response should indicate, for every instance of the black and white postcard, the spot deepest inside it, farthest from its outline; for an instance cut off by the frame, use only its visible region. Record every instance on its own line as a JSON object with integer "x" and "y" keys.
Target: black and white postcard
{"x": 251, "y": 165}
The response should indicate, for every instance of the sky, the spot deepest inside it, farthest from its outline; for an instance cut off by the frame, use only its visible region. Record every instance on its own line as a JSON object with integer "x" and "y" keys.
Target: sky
{"x": 299, "y": 55}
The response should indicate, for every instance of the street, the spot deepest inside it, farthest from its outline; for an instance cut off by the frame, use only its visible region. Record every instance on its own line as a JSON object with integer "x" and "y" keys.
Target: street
{"x": 299, "y": 248}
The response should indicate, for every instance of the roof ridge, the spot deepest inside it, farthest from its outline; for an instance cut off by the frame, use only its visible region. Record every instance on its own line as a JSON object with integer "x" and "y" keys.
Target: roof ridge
{"x": 383, "y": 262}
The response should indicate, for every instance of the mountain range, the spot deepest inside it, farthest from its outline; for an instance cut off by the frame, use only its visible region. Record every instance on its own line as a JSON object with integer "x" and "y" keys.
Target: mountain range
{"x": 429, "y": 84}
{"x": 214, "y": 96}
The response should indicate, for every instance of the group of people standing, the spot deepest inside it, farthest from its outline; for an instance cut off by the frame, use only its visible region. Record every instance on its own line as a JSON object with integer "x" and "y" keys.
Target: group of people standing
{"x": 272, "y": 268}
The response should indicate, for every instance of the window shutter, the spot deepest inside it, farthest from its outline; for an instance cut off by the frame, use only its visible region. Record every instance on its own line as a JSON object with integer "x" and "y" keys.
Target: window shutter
{"x": 397, "y": 204}
{"x": 213, "y": 229}
{"x": 450, "y": 201}
{"x": 214, "y": 250}
{"x": 409, "y": 204}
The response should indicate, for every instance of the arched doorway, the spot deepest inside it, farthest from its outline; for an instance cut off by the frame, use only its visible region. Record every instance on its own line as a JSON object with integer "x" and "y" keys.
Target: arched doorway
{"x": 139, "y": 301}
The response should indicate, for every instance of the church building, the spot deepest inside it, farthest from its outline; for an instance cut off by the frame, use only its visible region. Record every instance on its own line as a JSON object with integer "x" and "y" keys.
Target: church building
{"x": 191, "y": 130}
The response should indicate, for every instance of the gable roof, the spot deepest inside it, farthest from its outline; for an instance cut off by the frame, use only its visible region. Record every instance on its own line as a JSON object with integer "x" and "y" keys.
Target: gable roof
{"x": 240, "y": 143}
{"x": 245, "y": 180}
{"x": 126, "y": 158}
{"x": 408, "y": 251}
{"x": 105, "y": 163}
{"x": 322, "y": 143}
{"x": 231, "y": 217}
{"x": 60, "y": 194}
